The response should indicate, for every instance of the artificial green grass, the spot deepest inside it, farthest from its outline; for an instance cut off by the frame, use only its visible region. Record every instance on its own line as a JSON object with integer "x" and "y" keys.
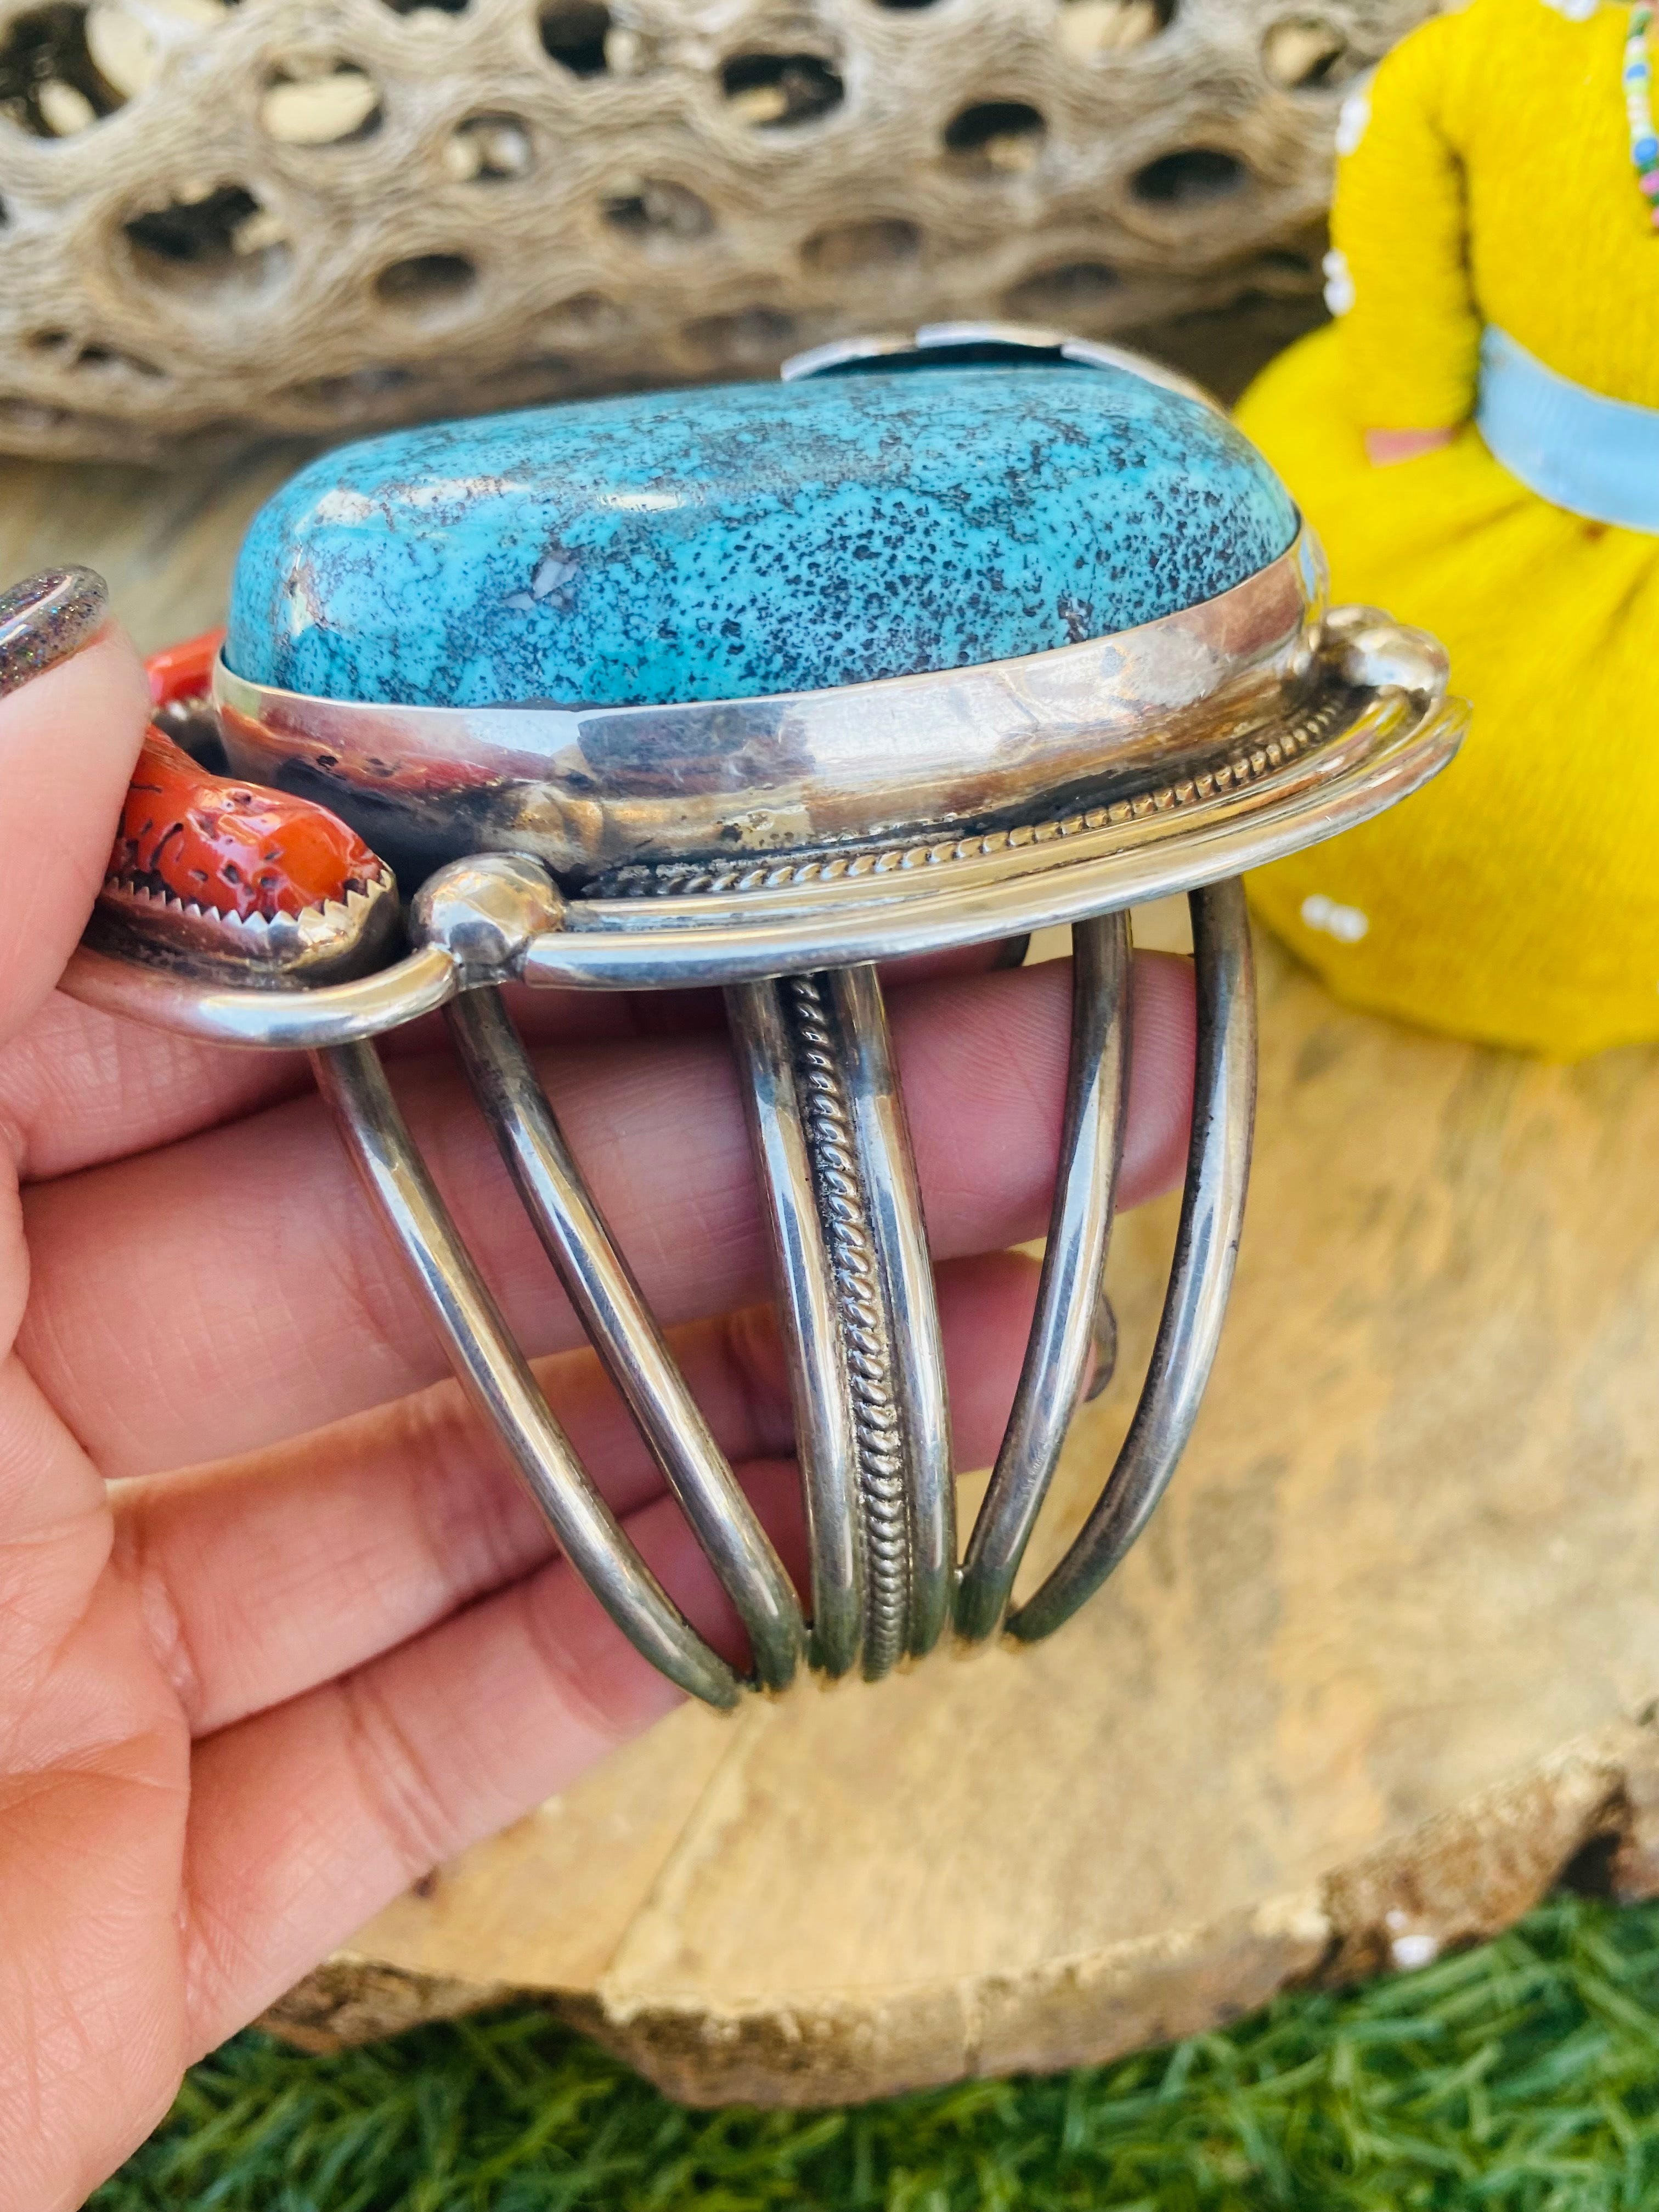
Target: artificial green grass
{"x": 1522, "y": 2077}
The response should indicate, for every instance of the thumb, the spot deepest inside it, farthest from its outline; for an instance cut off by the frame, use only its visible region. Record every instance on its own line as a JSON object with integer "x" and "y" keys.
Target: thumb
{"x": 73, "y": 707}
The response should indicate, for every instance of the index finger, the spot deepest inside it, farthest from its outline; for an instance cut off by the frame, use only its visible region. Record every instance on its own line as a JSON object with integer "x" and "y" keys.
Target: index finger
{"x": 73, "y": 707}
{"x": 80, "y": 1088}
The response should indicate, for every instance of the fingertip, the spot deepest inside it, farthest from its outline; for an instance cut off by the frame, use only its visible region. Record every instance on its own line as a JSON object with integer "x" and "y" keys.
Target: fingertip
{"x": 69, "y": 737}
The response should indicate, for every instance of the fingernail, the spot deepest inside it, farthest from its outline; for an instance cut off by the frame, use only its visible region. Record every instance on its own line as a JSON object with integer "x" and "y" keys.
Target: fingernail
{"x": 46, "y": 618}
{"x": 1105, "y": 1349}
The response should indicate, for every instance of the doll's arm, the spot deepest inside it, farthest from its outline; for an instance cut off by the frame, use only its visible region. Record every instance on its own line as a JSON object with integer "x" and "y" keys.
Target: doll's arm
{"x": 1400, "y": 270}
{"x": 1383, "y": 447}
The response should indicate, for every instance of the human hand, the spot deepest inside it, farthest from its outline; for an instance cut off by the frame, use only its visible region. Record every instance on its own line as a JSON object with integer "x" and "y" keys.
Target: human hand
{"x": 1384, "y": 449}
{"x": 277, "y": 1630}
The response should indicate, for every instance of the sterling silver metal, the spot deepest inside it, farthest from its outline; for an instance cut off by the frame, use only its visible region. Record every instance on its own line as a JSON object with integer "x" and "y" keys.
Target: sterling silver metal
{"x": 788, "y": 846}
{"x": 1060, "y": 1354}
{"x": 869, "y": 1363}
{"x": 598, "y": 1285}
{"x": 496, "y": 1376}
{"x": 1206, "y": 1248}
{"x": 1364, "y": 742}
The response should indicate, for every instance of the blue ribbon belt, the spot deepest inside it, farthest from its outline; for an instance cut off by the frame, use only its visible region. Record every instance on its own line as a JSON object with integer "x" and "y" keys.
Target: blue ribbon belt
{"x": 1594, "y": 456}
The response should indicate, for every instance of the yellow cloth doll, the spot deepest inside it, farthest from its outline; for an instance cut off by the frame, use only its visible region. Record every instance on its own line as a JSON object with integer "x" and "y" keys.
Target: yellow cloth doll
{"x": 1496, "y": 253}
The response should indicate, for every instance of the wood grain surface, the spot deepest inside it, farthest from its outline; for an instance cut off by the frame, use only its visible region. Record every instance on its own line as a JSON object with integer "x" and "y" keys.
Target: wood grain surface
{"x": 1382, "y": 1667}
{"x": 214, "y": 246}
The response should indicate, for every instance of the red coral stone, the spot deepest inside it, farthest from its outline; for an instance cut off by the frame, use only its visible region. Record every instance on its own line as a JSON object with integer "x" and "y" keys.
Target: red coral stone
{"x": 232, "y": 847}
{"x": 184, "y": 671}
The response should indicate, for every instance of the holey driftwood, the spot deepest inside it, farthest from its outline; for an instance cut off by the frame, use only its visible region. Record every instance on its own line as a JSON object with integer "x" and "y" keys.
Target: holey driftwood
{"x": 315, "y": 216}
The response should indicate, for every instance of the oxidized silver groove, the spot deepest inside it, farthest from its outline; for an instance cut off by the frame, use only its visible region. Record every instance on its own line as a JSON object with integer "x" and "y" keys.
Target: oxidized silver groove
{"x": 884, "y": 1517}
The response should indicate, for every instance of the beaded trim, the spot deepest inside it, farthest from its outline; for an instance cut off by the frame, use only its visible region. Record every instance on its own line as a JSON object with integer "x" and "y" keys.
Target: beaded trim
{"x": 683, "y": 879}
{"x": 1638, "y": 106}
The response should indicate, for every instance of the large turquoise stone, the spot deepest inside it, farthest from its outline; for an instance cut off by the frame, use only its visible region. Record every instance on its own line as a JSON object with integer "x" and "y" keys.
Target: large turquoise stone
{"x": 750, "y": 539}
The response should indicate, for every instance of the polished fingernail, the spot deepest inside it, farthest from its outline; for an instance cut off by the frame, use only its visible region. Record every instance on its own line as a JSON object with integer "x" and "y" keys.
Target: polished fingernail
{"x": 46, "y": 618}
{"x": 1105, "y": 1349}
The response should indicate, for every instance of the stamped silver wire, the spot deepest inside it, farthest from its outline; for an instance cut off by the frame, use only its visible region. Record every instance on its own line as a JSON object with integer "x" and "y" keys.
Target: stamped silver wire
{"x": 868, "y": 1341}
{"x": 898, "y": 1235}
{"x": 855, "y": 1286}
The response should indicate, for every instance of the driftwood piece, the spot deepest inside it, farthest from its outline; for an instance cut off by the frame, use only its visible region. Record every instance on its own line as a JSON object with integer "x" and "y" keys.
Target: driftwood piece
{"x": 318, "y": 216}
{"x": 1381, "y": 1668}
{"x": 166, "y": 540}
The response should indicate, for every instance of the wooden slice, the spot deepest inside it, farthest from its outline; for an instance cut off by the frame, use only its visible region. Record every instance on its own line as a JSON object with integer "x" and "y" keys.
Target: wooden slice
{"x": 1379, "y": 1671}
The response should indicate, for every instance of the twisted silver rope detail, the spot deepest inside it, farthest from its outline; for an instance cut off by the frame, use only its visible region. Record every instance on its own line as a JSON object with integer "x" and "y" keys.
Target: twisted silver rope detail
{"x": 842, "y": 1209}
{"x": 782, "y": 871}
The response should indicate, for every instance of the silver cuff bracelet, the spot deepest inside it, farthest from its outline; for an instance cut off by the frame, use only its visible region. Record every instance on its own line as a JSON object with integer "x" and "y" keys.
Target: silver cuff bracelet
{"x": 781, "y": 845}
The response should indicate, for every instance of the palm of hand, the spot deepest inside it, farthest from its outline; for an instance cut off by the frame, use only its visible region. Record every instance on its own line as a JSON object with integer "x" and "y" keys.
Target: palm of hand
{"x": 243, "y": 1705}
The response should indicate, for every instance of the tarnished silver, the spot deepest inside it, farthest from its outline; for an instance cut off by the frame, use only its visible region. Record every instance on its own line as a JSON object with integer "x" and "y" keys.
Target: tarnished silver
{"x": 486, "y": 915}
{"x": 329, "y": 943}
{"x": 779, "y": 848}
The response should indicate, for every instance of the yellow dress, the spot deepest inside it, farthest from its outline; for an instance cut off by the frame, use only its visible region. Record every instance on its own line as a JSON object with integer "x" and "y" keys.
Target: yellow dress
{"x": 1487, "y": 179}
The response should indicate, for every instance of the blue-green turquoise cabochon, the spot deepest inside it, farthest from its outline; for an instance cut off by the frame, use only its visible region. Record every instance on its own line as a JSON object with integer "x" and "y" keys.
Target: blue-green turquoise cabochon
{"x": 750, "y": 539}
